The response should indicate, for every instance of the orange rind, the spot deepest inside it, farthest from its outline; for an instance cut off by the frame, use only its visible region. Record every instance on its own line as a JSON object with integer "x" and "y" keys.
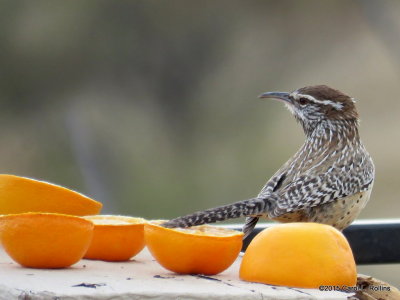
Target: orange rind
{"x": 45, "y": 240}
{"x": 203, "y": 249}
{"x": 304, "y": 255}
{"x": 21, "y": 194}
{"x": 115, "y": 238}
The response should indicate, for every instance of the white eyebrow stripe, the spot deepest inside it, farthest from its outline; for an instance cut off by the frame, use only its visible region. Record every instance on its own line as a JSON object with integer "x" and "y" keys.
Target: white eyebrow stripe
{"x": 338, "y": 106}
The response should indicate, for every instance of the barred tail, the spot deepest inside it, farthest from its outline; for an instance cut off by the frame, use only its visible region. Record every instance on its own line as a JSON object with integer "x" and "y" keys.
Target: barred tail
{"x": 250, "y": 207}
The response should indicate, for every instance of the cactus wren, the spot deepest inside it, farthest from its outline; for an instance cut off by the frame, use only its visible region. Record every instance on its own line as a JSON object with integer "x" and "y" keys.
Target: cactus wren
{"x": 329, "y": 180}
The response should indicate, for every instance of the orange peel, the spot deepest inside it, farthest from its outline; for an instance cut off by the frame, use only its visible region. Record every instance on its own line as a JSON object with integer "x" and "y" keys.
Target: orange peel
{"x": 305, "y": 255}
{"x": 115, "y": 238}
{"x": 201, "y": 249}
{"x": 21, "y": 194}
{"x": 45, "y": 240}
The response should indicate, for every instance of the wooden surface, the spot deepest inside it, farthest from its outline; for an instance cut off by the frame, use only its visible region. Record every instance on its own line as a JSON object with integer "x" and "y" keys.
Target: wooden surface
{"x": 141, "y": 278}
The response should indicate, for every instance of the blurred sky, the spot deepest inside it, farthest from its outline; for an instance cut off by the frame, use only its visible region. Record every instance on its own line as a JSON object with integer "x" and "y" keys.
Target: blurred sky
{"x": 151, "y": 106}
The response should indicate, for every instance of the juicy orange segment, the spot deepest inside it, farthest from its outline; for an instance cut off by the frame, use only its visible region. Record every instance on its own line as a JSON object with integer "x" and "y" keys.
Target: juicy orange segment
{"x": 115, "y": 238}
{"x": 201, "y": 249}
{"x": 20, "y": 194}
{"x": 45, "y": 240}
{"x": 306, "y": 255}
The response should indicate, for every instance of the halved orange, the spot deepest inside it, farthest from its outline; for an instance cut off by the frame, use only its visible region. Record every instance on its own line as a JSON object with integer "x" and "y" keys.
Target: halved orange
{"x": 305, "y": 255}
{"x": 21, "y": 194}
{"x": 201, "y": 249}
{"x": 115, "y": 238}
{"x": 45, "y": 240}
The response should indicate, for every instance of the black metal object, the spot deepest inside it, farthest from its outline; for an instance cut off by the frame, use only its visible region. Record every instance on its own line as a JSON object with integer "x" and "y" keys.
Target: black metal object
{"x": 375, "y": 242}
{"x": 372, "y": 242}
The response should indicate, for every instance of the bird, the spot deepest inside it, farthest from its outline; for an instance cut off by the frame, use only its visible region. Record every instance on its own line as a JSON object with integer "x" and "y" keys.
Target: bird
{"x": 328, "y": 180}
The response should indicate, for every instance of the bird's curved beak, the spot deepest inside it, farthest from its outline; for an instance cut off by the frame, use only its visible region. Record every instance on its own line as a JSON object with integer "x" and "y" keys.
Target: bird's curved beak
{"x": 280, "y": 96}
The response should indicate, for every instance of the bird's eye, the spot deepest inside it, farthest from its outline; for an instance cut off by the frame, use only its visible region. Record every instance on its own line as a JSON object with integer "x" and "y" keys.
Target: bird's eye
{"x": 303, "y": 101}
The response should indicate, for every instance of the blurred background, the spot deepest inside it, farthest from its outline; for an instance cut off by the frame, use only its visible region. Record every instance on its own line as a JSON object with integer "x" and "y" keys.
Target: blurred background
{"x": 151, "y": 106}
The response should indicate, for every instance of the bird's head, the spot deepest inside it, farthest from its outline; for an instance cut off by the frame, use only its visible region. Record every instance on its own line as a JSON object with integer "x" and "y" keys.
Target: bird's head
{"x": 312, "y": 105}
